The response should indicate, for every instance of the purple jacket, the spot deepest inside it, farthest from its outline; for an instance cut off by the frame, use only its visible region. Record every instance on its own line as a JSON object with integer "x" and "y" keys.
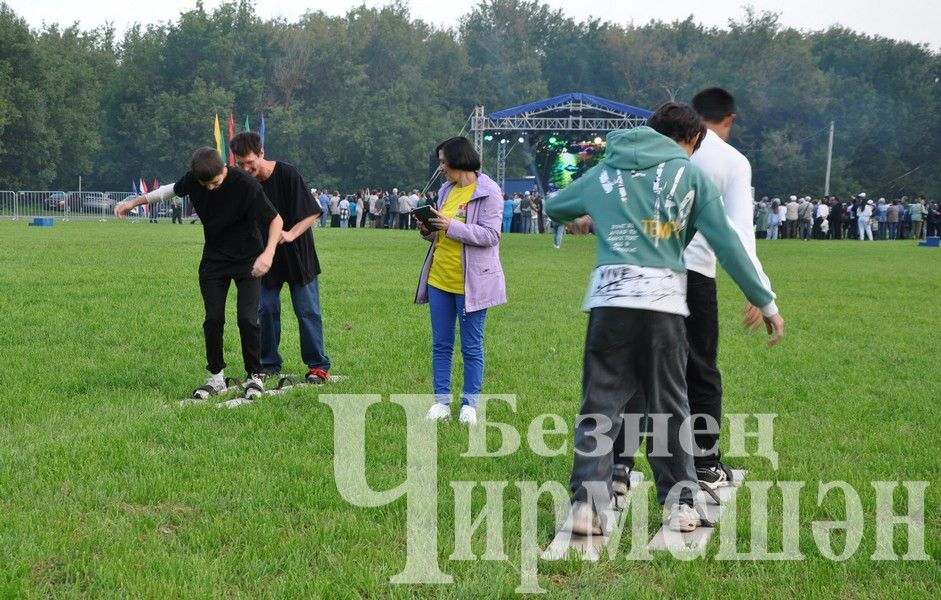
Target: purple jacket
{"x": 484, "y": 284}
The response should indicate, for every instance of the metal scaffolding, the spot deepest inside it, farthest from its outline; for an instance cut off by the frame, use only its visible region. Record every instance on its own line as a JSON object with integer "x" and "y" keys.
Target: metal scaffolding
{"x": 575, "y": 112}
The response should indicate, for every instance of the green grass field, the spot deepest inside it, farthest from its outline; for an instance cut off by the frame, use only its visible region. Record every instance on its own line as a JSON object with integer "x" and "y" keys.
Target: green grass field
{"x": 109, "y": 488}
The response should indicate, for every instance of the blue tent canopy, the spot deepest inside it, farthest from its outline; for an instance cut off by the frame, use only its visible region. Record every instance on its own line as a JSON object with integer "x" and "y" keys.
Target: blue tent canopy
{"x": 572, "y": 98}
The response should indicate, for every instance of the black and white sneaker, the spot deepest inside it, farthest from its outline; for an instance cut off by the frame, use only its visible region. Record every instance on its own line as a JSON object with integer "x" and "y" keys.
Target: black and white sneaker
{"x": 254, "y": 386}
{"x": 212, "y": 387}
{"x": 269, "y": 372}
{"x": 620, "y": 486}
{"x": 715, "y": 476}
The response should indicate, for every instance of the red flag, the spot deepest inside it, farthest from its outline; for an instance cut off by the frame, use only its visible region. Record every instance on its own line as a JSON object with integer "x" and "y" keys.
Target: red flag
{"x": 156, "y": 185}
{"x": 231, "y": 135}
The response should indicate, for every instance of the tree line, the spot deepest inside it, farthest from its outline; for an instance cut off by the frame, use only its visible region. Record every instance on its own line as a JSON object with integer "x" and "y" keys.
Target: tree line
{"x": 361, "y": 100}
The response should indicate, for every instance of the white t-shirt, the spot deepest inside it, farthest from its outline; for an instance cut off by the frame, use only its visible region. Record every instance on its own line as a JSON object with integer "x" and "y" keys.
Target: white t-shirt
{"x": 731, "y": 172}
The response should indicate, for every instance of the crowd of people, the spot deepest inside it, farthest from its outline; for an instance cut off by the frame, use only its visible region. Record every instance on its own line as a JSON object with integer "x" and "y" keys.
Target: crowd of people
{"x": 803, "y": 218}
{"x": 860, "y": 218}
{"x": 391, "y": 209}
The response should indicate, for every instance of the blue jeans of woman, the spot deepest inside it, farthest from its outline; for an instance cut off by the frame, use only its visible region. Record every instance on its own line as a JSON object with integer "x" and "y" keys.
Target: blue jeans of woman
{"x": 446, "y": 308}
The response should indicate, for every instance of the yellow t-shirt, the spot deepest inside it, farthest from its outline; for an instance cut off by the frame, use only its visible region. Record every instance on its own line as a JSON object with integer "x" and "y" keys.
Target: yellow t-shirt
{"x": 447, "y": 272}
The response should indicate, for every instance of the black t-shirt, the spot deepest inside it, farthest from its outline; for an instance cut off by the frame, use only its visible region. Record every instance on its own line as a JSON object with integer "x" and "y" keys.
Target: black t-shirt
{"x": 233, "y": 215}
{"x": 295, "y": 263}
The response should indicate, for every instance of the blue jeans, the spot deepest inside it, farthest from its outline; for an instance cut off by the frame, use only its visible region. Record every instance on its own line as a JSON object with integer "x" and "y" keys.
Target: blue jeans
{"x": 445, "y": 308}
{"x": 306, "y": 302}
{"x": 507, "y": 222}
{"x": 559, "y": 232}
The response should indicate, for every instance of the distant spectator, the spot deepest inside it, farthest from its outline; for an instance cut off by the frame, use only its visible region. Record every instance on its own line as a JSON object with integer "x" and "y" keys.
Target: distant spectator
{"x": 774, "y": 220}
{"x": 790, "y": 218}
{"x": 862, "y": 220}
{"x": 761, "y": 218}
{"x": 917, "y": 211}
{"x": 343, "y": 212}
{"x": 507, "y": 213}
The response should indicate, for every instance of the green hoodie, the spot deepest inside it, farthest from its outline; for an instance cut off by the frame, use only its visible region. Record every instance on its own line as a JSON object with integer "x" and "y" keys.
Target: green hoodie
{"x": 647, "y": 201}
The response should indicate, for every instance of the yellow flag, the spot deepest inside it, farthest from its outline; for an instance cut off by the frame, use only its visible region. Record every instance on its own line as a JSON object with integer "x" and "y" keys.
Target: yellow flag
{"x": 217, "y": 133}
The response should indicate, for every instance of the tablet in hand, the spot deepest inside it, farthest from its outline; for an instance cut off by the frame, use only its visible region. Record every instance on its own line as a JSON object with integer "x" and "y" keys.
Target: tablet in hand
{"x": 424, "y": 214}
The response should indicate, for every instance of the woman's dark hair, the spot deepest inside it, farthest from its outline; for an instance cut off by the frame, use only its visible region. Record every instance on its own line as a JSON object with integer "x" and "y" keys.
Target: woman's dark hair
{"x": 679, "y": 122}
{"x": 459, "y": 154}
{"x": 206, "y": 164}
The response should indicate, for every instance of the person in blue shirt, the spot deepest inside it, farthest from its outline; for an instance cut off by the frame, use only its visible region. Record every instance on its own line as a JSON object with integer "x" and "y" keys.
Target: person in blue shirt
{"x": 507, "y": 213}
{"x": 324, "y": 208}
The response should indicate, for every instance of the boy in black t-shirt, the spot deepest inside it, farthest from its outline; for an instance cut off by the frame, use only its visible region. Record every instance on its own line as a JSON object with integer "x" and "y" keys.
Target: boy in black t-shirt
{"x": 295, "y": 261}
{"x": 241, "y": 230}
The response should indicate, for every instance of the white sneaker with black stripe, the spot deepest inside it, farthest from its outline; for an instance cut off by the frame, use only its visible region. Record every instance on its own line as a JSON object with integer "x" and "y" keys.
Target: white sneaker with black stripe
{"x": 254, "y": 386}
{"x": 215, "y": 385}
{"x": 716, "y": 476}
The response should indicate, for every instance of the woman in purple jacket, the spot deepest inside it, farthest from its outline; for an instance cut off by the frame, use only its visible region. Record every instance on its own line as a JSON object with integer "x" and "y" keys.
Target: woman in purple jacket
{"x": 462, "y": 276}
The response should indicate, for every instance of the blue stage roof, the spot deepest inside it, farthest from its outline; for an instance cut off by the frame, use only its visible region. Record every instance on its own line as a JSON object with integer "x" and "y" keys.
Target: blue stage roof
{"x": 549, "y": 103}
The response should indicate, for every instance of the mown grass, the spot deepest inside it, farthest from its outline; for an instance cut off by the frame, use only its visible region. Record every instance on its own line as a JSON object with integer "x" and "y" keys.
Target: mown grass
{"x": 108, "y": 488}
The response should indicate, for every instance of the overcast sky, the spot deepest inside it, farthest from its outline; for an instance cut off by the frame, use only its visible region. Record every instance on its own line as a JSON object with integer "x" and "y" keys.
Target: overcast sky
{"x": 911, "y": 20}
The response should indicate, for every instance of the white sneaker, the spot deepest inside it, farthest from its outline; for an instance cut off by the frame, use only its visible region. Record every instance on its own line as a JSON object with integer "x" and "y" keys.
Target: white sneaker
{"x": 254, "y": 386}
{"x": 582, "y": 520}
{"x": 468, "y": 415}
{"x": 683, "y": 518}
{"x": 439, "y": 412}
{"x": 215, "y": 385}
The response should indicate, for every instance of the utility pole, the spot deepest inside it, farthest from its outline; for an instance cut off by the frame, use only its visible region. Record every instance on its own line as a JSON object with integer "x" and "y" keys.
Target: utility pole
{"x": 826, "y": 186}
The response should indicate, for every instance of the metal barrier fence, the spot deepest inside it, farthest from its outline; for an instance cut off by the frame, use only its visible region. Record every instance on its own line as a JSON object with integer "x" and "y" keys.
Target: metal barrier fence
{"x": 84, "y": 205}
{"x": 7, "y": 205}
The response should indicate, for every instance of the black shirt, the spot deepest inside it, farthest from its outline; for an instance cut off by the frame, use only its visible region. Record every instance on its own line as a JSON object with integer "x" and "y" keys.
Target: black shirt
{"x": 233, "y": 215}
{"x": 295, "y": 263}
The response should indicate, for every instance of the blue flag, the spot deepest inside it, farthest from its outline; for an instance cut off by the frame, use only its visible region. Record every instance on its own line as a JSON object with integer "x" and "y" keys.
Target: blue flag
{"x": 134, "y": 188}
{"x": 261, "y": 130}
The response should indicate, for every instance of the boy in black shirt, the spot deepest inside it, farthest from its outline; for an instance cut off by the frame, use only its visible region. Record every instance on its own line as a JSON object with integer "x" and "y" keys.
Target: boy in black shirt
{"x": 295, "y": 261}
{"x": 234, "y": 212}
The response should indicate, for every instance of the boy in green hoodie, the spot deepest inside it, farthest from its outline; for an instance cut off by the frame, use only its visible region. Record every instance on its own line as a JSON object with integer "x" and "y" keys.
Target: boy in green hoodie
{"x": 646, "y": 201}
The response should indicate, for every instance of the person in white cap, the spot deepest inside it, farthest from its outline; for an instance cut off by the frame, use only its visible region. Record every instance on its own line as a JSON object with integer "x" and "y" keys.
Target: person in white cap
{"x": 790, "y": 218}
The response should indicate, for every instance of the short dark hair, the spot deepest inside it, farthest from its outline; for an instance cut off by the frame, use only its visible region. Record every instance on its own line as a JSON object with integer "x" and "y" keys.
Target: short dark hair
{"x": 679, "y": 122}
{"x": 245, "y": 143}
{"x": 459, "y": 154}
{"x": 206, "y": 164}
{"x": 714, "y": 104}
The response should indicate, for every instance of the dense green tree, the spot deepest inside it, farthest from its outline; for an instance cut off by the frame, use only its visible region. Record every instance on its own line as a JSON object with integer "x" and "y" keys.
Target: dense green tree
{"x": 360, "y": 100}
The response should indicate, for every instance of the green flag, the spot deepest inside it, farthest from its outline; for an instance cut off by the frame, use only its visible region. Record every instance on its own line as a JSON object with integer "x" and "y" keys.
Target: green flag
{"x": 247, "y": 127}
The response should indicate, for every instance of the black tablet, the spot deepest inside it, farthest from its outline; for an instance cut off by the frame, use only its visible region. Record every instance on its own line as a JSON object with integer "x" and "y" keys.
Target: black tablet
{"x": 424, "y": 214}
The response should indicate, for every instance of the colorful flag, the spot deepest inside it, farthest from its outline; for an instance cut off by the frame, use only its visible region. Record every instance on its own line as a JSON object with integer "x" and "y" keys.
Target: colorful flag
{"x": 231, "y": 135}
{"x": 247, "y": 126}
{"x": 134, "y": 188}
{"x": 217, "y": 134}
{"x": 261, "y": 130}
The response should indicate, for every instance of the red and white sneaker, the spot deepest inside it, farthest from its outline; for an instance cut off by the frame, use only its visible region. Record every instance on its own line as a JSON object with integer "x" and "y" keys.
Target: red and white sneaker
{"x": 315, "y": 375}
